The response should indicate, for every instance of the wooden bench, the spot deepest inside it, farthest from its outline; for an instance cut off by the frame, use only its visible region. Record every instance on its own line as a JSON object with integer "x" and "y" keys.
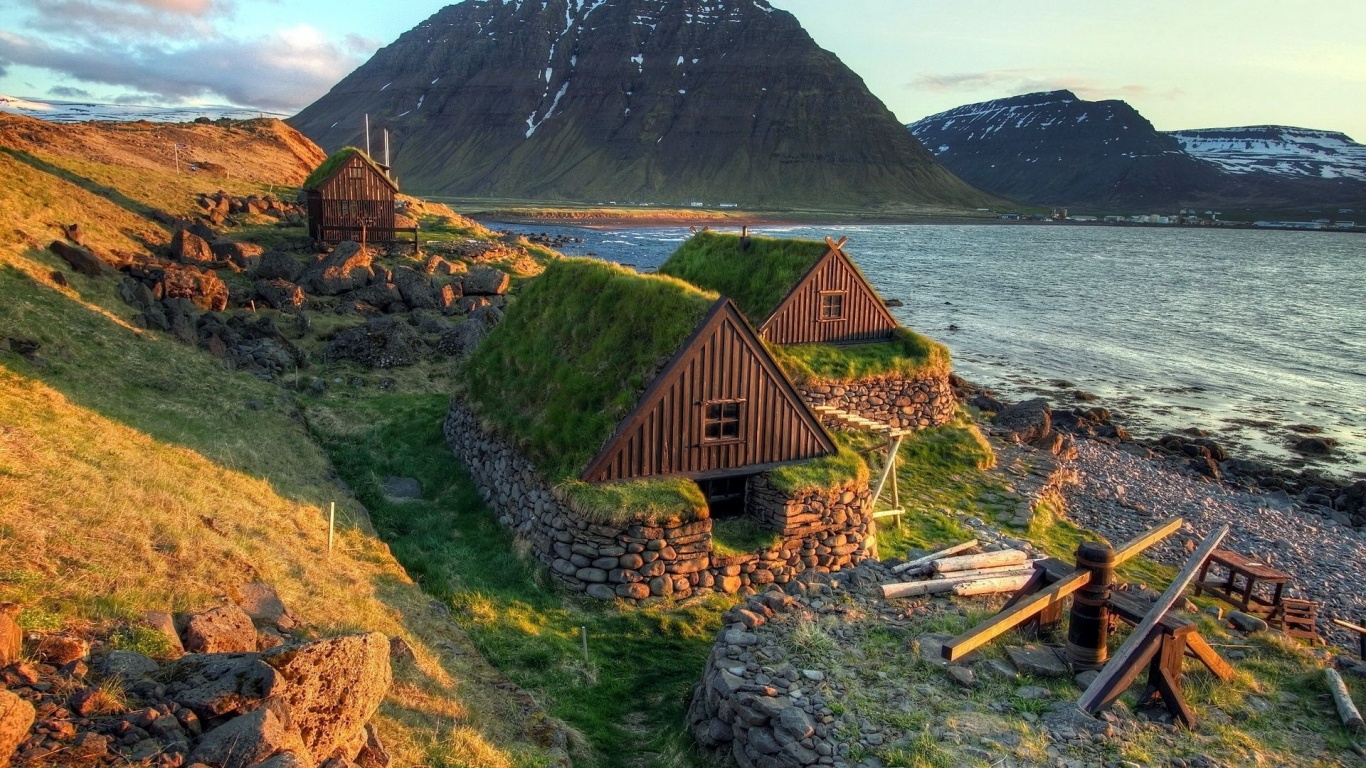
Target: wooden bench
{"x": 1242, "y": 595}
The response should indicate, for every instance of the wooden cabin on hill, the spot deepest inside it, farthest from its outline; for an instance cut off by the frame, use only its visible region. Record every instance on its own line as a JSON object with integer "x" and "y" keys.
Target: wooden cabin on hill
{"x": 793, "y": 291}
{"x": 601, "y": 374}
{"x": 351, "y": 197}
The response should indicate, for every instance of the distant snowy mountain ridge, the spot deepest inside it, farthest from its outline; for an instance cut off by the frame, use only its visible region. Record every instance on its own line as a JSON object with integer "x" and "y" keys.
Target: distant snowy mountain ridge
{"x": 1278, "y": 149}
{"x": 83, "y": 111}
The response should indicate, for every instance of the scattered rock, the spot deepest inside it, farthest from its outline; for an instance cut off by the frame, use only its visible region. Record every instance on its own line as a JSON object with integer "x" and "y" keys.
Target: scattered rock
{"x": 225, "y": 629}
{"x": 128, "y": 666}
{"x": 1027, "y": 422}
{"x": 402, "y": 489}
{"x": 214, "y": 685}
{"x": 1038, "y": 661}
{"x": 16, "y": 717}
{"x": 332, "y": 688}
{"x": 242, "y": 255}
{"x": 79, "y": 258}
{"x": 1246, "y": 622}
{"x": 415, "y": 288}
{"x": 380, "y": 343}
{"x": 58, "y": 650}
{"x": 347, "y": 268}
{"x": 259, "y": 601}
{"x": 963, "y": 676}
{"x": 485, "y": 281}
{"x": 278, "y": 265}
{"x": 1315, "y": 446}
{"x": 280, "y": 294}
{"x": 249, "y": 739}
{"x": 189, "y": 248}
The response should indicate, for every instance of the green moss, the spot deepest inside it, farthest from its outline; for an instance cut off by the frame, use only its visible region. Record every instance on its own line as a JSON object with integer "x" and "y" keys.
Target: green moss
{"x": 574, "y": 355}
{"x": 757, "y": 279}
{"x": 620, "y": 503}
{"x": 907, "y": 355}
{"x": 739, "y": 536}
{"x": 334, "y": 161}
{"x": 843, "y": 468}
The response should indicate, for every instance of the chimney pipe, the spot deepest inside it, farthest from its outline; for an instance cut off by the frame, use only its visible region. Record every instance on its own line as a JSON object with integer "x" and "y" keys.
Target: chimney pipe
{"x": 367, "y": 134}
{"x": 744, "y": 237}
{"x": 386, "y": 153}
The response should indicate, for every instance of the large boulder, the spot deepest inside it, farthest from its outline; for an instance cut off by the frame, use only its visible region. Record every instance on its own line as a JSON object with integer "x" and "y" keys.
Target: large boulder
{"x": 347, "y": 268}
{"x": 278, "y": 265}
{"x": 11, "y": 636}
{"x": 280, "y": 294}
{"x": 16, "y": 718}
{"x": 189, "y": 248}
{"x": 462, "y": 340}
{"x": 262, "y": 603}
{"x": 79, "y": 258}
{"x": 1028, "y": 421}
{"x": 448, "y": 298}
{"x": 416, "y": 288}
{"x": 225, "y": 629}
{"x": 485, "y": 281}
{"x": 250, "y": 739}
{"x": 218, "y": 684}
{"x": 380, "y": 343}
{"x": 332, "y": 688}
{"x": 244, "y": 255}
{"x": 169, "y": 280}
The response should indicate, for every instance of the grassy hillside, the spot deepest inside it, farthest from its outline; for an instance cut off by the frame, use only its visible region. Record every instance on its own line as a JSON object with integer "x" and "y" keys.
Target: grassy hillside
{"x": 137, "y": 474}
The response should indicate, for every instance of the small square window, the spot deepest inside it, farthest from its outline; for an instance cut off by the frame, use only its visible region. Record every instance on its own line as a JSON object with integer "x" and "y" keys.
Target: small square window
{"x": 832, "y": 306}
{"x": 721, "y": 420}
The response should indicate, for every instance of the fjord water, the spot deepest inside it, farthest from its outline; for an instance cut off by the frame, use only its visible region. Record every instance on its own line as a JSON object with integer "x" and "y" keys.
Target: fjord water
{"x": 1241, "y": 333}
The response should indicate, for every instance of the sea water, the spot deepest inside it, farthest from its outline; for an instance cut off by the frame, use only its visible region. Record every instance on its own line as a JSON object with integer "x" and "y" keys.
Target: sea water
{"x": 1257, "y": 337}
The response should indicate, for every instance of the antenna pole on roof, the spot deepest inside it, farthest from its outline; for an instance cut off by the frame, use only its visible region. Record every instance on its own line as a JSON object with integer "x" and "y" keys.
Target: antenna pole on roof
{"x": 367, "y": 134}
{"x": 386, "y": 152}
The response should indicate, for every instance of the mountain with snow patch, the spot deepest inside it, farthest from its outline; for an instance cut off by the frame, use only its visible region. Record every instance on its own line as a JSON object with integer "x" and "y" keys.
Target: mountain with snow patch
{"x": 644, "y": 101}
{"x": 1054, "y": 148}
{"x": 1297, "y": 153}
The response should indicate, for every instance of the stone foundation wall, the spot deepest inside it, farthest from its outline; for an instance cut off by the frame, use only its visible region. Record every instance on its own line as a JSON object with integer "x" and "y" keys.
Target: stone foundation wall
{"x": 903, "y": 403}
{"x": 823, "y": 531}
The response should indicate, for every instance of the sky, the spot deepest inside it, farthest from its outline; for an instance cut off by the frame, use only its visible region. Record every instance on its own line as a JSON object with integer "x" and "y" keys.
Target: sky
{"x": 1182, "y": 64}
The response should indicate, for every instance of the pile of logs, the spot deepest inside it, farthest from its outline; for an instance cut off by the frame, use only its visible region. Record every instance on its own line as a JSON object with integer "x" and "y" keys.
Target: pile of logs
{"x": 949, "y": 572}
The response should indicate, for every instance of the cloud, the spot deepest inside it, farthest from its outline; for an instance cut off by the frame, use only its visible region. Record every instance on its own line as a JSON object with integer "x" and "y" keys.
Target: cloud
{"x": 68, "y": 92}
{"x": 119, "y": 19}
{"x": 1013, "y": 82}
{"x": 282, "y": 71}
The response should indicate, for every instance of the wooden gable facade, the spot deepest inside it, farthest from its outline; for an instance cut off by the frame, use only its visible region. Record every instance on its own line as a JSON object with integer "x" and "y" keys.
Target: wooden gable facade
{"x": 721, "y": 408}
{"x": 832, "y": 304}
{"x": 354, "y": 199}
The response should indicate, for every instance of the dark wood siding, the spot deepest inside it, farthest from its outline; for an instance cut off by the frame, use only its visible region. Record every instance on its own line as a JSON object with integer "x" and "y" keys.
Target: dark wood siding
{"x": 798, "y": 319}
{"x": 354, "y": 196}
{"x": 723, "y": 361}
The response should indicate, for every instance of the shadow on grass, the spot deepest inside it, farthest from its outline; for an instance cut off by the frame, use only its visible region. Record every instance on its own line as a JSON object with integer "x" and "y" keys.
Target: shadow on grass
{"x": 109, "y": 193}
{"x": 629, "y": 698}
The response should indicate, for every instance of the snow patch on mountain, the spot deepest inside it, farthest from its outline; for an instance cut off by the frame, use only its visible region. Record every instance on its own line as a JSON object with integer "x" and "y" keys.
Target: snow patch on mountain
{"x": 1278, "y": 150}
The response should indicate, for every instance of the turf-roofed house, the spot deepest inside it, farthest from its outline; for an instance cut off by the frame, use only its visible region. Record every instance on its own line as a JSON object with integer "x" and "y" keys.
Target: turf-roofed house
{"x": 637, "y": 434}
{"x": 351, "y": 197}
{"x": 827, "y": 327}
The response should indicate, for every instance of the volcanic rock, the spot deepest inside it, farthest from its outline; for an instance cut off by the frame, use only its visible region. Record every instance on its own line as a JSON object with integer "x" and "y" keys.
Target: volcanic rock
{"x": 380, "y": 343}
{"x": 348, "y": 267}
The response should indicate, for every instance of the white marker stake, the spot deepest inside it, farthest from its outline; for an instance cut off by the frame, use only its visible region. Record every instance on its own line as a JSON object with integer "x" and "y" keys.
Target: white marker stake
{"x": 331, "y": 524}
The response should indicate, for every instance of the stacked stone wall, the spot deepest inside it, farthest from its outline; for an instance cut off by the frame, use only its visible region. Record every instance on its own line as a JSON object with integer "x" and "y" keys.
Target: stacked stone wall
{"x": 822, "y": 530}
{"x": 917, "y": 403}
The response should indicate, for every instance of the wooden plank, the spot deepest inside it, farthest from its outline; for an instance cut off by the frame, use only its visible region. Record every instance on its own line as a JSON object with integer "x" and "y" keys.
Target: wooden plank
{"x": 1135, "y": 546}
{"x": 927, "y": 559}
{"x": 993, "y": 586}
{"x": 1349, "y": 625}
{"x": 1012, "y": 617}
{"x": 1003, "y": 558}
{"x": 1118, "y": 665}
{"x": 1347, "y": 710}
{"x": 1026, "y": 568}
{"x": 1148, "y": 648}
{"x": 1205, "y": 654}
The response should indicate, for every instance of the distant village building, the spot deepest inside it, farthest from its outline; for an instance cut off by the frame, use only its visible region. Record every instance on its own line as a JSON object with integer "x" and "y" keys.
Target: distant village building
{"x": 351, "y": 197}
{"x": 794, "y": 291}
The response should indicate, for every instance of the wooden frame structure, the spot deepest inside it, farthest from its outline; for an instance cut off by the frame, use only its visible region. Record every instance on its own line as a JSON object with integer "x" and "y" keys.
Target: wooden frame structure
{"x": 723, "y": 362}
{"x": 1160, "y": 642}
{"x": 800, "y": 318}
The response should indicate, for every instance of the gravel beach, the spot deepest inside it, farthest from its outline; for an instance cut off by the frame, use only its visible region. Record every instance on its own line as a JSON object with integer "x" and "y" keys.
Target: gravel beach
{"x": 1119, "y": 495}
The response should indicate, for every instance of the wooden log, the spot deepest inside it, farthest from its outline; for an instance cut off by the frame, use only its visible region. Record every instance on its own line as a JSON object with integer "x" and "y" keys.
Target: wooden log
{"x": 993, "y": 586}
{"x": 921, "y": 562}
{"x": 986, "y": 560}
{"x": 1012, "y": 617}
{"x": 1135, "y": 546}
{"x": 1004, "y": 570}
{"x": 1347, "y": 709}
{"x": 932, "y": 586}
{"x": 1124, "y": 658}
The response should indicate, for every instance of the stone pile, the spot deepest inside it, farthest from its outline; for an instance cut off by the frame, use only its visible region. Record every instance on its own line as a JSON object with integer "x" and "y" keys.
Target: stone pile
{"x": 220, "y": 206}
{"x": 822, "y": 531}
{"x": 246, "y": 694}
{"x": 901, "y": 403}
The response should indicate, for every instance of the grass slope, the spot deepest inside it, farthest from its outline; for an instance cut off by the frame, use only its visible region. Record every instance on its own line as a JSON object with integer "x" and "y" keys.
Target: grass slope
{"x": 574, "y": 355}
{"x": 757, "y": 279}
{"x": 627, "y": 701}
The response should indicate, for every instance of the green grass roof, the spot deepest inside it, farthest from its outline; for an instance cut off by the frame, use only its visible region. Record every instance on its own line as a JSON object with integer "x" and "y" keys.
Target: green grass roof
{"x": 757, "y": 279}
{"x": 333, "y": 161}
{"x": 573, "y": 356}
{"x": 908, "y": 355}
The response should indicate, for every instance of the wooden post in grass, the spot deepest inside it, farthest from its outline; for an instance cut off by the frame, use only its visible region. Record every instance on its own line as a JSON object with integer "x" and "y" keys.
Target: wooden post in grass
{"x": 1089, "y": 628}
{"x": 1347, "y": 709}
{"x": 583, "y": 635}
{"x": 331, "y": 524}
